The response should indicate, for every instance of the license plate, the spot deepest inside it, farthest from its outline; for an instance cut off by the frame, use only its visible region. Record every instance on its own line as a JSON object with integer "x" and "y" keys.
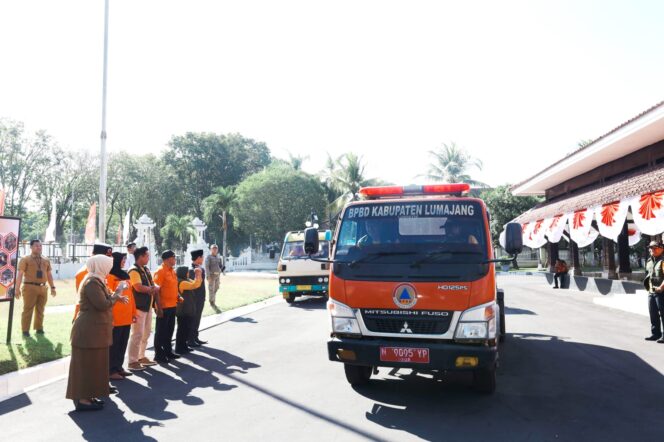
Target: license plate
{"x": 302, "y": 287}
{"x": 404, "y": 354}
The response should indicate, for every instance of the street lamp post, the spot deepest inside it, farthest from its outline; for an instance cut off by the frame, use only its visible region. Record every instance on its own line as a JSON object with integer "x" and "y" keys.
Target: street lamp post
{"x": 103, "y": 162}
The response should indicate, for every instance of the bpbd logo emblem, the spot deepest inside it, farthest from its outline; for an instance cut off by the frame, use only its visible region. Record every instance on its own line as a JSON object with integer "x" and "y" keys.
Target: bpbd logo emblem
{"x": 405, "y": 296}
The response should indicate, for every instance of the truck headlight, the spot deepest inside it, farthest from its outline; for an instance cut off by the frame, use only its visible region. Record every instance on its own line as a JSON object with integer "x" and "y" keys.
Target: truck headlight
{"x": 478, "y": 323}
{"x": 345, "y": 326}
{"x": 282, "y": 280}
{"x": 343, "y": 318}
{"x": 339, "y": 310}
{"x": 471, "y": 331}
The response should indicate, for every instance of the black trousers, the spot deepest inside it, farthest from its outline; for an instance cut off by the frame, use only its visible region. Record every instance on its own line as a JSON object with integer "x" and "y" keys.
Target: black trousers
{"x": 183, "y": 333}
{"x": 164, "y": 333}
{"x": 656, "y": 309}
{"x": 196, "y": 320}
{"x": 116, "y": 352}
{"x": 558, "y": 279}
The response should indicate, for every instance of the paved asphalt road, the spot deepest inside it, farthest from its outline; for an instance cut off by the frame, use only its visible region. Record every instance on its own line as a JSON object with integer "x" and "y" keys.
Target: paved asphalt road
{"x": 570, "y": 370}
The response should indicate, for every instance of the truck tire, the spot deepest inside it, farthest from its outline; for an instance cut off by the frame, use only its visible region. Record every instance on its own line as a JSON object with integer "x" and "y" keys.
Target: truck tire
{"x": 357, "y": 374}
{"x": 484, "y": 380}
{"x": 290, "y": 299}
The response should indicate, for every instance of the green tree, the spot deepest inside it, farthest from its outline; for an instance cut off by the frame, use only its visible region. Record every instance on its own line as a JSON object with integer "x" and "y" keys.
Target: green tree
{"x": 296, "y": 161}
{"x": 216, "y": 211}
{"x": 204, "y": 161}
{"x": 22, "y": 160}
{"x": 504, "y": 207}
{"x": 451, "y": 164}
{"x": 279, "y": 199}
{"x": 72, "y": 191}
{"x": 176, "y": 232}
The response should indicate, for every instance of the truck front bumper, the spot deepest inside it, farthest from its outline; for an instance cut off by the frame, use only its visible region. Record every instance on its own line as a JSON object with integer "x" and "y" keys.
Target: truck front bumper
{"x": 303, "y": 288}
{"x": 442, "y": 356}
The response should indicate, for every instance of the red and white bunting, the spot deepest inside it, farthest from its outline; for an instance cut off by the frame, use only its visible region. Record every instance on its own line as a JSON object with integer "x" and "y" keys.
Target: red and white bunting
{"x": 555, "y": 226}
{"x": 648, "y": 212}
{"x": 579, "y": 225}
{"x": 634, "y": 234}
{"x": 537, "y": 238}
{"x": 611, "y": 218}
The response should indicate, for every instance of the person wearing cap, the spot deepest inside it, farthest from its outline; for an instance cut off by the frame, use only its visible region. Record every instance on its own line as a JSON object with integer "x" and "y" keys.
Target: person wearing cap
{"x": 166, "y": 278}
{"x": 34, "y": 272}
{"x": 654, "y": 283}
{"x": 97, "y": 249}
{"x": 186, "y": 308}
{"x": 129, "y": 262}
{"x": 146, "y": 296}
{"x": 199, "y": 296}
{"x": 214, "y": 267}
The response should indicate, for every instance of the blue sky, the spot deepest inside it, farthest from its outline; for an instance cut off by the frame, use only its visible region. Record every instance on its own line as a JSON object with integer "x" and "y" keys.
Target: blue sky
{"x": 517, "y": 83}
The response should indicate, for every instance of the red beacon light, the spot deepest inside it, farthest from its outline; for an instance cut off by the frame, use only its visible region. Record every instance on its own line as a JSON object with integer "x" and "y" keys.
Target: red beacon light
{"x": 428, "y": 189}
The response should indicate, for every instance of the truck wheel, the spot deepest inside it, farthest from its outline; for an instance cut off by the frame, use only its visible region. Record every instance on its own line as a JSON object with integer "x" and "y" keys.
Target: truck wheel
{"x": 357, "y": 374}
{"x": 290, "y": 299}
{"x": 484, "y": 380}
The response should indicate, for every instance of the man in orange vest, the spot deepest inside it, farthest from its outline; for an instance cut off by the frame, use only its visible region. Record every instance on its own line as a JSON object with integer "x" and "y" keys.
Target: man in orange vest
{"x": 166, "y": 278}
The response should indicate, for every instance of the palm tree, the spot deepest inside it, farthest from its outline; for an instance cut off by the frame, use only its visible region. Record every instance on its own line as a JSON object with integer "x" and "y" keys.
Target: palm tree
{"x": 297, "y": 160}
{"x": 215, "y": 209}
{"x": 343, "y": 177}
{"x": 451, "y": 164}
{"x": 179, "y": 229}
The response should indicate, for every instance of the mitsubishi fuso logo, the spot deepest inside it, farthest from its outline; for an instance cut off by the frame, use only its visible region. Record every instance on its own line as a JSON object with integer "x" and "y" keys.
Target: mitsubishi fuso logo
{"x": 405, "y": 328}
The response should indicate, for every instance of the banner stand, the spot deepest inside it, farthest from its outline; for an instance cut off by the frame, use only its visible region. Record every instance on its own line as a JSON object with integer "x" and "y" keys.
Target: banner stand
{"x": 10, "y": 232}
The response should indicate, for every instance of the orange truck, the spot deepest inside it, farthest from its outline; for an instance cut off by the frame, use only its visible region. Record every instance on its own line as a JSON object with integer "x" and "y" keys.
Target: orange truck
{"x": 413, "y": 285}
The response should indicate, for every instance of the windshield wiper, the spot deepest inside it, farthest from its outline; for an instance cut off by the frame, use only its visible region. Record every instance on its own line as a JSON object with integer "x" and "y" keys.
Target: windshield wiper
{"x": 437, "y": 253}
{"x": 373, "y": 255}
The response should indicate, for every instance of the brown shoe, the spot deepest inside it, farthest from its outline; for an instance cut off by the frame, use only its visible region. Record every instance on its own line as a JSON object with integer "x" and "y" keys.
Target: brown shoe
{"x": 136, "y": 366}
{"x": 116, "y": 377}
{"x": 147, "y": 362}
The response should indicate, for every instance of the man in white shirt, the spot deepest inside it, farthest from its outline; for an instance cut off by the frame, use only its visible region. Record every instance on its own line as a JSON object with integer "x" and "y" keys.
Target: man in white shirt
{"x": 130, "y": 260}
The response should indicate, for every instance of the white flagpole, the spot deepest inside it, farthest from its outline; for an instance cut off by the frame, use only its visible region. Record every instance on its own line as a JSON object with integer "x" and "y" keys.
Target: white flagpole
{"x": 104, "y": 166}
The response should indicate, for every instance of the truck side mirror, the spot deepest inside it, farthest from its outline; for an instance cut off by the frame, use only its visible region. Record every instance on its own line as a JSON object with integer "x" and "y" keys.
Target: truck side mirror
{"x": 311, "y": 243}
{"x": 513, "y": 238}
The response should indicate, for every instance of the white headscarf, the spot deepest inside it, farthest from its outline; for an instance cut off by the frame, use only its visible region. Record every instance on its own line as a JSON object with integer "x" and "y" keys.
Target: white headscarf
{"x": 99, "y": 266}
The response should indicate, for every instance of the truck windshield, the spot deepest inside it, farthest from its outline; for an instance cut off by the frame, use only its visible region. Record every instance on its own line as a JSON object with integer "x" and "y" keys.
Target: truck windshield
{"x": 420, "y": 240}
{"x": 295, "y": 250}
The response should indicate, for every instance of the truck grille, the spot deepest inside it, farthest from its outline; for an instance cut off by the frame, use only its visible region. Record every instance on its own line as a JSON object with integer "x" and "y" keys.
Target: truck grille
{"x": 417, "y": 321}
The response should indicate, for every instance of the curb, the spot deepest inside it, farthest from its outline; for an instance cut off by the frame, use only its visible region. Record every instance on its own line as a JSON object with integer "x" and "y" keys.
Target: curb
{"x": 25, "y": 380}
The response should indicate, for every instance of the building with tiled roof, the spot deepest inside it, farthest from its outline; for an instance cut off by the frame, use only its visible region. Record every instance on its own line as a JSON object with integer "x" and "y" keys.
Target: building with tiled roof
{"x": 611, "y": 189}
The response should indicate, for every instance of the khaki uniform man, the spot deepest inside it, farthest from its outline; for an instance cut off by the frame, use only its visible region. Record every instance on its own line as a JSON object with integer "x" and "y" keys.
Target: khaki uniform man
{"x": 214, "y": 267}
{"x": 34, "y": 272}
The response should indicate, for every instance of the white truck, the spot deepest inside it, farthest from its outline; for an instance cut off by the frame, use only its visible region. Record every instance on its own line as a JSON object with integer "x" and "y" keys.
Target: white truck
{"x": 299, "y": 275}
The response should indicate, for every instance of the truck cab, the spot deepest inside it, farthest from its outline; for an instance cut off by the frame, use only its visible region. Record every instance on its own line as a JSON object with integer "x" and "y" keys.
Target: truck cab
{"x": 412, "y": 284}
{"x": 299, "y": 273}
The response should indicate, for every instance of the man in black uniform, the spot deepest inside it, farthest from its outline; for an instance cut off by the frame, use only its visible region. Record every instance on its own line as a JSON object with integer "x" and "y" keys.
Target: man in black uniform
{"x": 197, "y": 262}
{"x": 654, "y": 283}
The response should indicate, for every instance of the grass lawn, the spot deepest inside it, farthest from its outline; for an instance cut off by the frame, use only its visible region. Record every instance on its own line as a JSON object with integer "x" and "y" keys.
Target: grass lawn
{"x": 235, "y": 291}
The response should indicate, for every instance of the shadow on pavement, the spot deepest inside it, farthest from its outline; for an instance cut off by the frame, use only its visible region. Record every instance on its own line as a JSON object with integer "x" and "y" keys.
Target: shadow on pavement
{"x": 244, "y": 319}
{"x": 15, "y": 403}
{"x": 172, "y": 382}
{"x": 518, "y": 311}
{"x": 310, "y": 303}
{"x": 548, "y": 389}
{"x": 111, "y": 425}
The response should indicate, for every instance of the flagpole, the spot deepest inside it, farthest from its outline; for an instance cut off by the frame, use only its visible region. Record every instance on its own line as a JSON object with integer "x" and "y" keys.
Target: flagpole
{"x": 103, "y": 165}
